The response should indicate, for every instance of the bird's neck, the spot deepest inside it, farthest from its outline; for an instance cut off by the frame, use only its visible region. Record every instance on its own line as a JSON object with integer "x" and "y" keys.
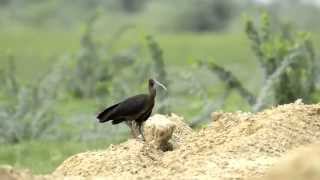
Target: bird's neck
{"x": 152, "y": 93}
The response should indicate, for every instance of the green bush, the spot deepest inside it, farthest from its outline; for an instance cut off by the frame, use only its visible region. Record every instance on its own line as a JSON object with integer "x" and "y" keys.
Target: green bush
{"x": 275, "y": 47}
{"x": 288, "y": 64}
{"x": 27, "y": 113}
{"x": 88, "y": 71}
{"x": 159, "y": 70}
{"x": 94, "y": 66}
{"x": 132, "y": 6}
{"x": 205, "y": 15}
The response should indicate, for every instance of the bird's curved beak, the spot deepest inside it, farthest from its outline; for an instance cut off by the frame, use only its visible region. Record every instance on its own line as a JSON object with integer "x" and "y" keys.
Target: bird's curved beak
{"x": 160, "y": 84}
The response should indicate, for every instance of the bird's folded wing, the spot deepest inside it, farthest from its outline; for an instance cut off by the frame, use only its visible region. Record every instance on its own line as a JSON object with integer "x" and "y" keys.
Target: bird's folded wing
{"x": 132, "y": 106}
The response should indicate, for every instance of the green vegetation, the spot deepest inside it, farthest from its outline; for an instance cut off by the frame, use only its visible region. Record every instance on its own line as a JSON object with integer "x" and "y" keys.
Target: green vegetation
{"x": 62, "y": 62}
{"x": 43, "y": 156}
{"x": 288, "y": 62}
{"x": 230, "y": 50}
{"x": 206, "y": 45}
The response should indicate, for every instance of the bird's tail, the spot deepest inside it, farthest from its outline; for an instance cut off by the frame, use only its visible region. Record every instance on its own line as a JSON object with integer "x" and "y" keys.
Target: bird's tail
{"x": 117, "y": 121}
{"x": 104, "y": 116}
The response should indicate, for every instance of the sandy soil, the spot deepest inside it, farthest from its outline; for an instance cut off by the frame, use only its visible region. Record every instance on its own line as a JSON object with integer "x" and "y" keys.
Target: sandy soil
{"x": 238, "y": 145}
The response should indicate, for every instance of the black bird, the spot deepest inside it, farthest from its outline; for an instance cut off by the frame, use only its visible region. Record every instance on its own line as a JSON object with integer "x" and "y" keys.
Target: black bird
{"x": 135, "y": 109}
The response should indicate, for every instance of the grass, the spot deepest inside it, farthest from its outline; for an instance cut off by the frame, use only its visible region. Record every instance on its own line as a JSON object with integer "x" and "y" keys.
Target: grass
{"x": 35, "y": 50}
{"x": 42, "y": 48}
{"x": 42, "y": 156}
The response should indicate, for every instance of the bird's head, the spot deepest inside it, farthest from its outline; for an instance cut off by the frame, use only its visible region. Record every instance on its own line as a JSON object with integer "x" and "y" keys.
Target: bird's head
{"x": 153, "y": 84}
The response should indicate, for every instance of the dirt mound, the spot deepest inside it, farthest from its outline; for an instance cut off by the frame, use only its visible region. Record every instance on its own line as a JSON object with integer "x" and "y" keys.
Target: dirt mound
{"x": 301, "y": 164}
{"x": 124, "y": 160}
{"x": 8, "y": 173}
{"x": 235, "y": 146}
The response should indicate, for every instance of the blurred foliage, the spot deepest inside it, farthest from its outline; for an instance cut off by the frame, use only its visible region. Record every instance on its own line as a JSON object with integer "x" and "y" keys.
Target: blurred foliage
{"x": 179, "y": 15}
{"x": 272, "y": 47}
{"x": 49, "y": 94}
{"x": 89, "y": 70}
{"x": 288, "y": 62}
{"x": 8, "y": 77}
{"x": 160, "y": 73}
{"x": 28, "y": 111}
{"x": 42, "y": 157}
{"x": 94, "y": 65}
{"x": 132, "y": 6}
{"x": 286, "y": 11}
{"x": 231, "y": 81}
{"x": 205, "y": 15}
{"x": 4, "y": 2}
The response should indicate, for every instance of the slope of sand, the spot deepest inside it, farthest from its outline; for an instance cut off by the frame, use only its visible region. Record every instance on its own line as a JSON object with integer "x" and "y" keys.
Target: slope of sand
{"x": 300, "y": 164}
{"x": 234, "y": 146}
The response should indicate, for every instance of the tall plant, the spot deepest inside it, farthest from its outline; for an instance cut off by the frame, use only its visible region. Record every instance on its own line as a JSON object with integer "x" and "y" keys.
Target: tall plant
{"x": 160, "y": 72}
{"x": 273, "y": 47}
{"x": 287, "y": 60}
{"x": 85, "y": 75}
{"x": 29, "y": 113}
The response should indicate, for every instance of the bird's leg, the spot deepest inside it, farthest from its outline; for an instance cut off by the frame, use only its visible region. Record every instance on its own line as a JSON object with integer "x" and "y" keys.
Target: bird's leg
{"x": 134, "y": 128}
{"x": 140, "y": 131}
{"x": 130, "y": 125}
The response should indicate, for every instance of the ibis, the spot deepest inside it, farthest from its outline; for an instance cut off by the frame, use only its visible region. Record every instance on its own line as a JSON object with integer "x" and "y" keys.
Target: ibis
{"x": 134, "y": 110}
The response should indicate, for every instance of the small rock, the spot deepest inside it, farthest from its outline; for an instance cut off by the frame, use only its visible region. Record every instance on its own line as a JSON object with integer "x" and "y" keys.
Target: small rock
{"x": 158, "y": 131}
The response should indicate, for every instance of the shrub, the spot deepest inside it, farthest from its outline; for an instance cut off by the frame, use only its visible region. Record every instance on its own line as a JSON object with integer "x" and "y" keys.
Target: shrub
{"x": 88, "y": 72}
{"x": 94, "y": 66}
{"x": 205, "y": 15}
{"x": 28, "y": 113}
{"x": 288, "y": 63}
{"x": 132, "y": 6}
{"x": 159, "y": 69}
{"x": 273, "y": 48}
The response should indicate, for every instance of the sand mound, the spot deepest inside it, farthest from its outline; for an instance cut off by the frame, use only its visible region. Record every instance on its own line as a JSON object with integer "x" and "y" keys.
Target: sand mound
{"x": 235, "y": 146}
{"x": 8, "y": 173}
{"x": 301, "y": 164}
{"x": 124, "y": 160}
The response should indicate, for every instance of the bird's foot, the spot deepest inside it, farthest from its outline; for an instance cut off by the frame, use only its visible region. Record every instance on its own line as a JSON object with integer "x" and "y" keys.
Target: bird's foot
{"x": 141, "y": 133}
{"x": 141, "y": 138}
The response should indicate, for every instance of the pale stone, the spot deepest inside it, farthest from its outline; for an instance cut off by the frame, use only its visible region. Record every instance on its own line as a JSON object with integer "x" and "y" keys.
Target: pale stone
{"x": 158, "y": 130}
